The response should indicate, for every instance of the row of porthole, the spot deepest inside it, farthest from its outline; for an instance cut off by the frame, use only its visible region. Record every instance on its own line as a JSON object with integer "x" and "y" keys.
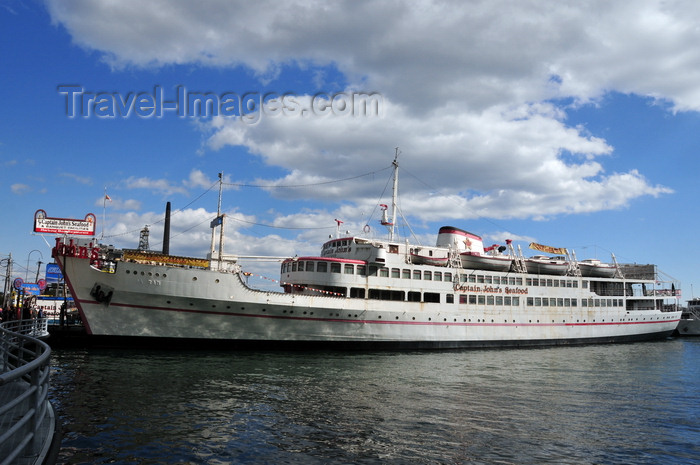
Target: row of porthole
{"x": 337, "y": 315}
{"x": 143, "y": 273}
{"x": 157, "y": 275}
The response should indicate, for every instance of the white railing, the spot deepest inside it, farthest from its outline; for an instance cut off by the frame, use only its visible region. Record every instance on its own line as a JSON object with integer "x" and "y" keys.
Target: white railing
{"x": 24, "y": 383}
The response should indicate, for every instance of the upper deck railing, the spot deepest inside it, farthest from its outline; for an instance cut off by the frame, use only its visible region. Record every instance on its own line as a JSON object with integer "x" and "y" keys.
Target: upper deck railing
{"x": 24, "y": 389}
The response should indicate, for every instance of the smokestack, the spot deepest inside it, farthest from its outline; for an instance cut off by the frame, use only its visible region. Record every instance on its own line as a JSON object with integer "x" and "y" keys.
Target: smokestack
{"x": 166, "y": 230}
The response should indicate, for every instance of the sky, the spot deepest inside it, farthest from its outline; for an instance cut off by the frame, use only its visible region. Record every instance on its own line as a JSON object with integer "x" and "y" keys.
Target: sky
{"x": 571, "y": 124}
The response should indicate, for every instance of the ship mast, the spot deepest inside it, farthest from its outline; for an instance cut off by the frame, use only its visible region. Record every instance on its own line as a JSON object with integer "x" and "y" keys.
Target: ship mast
{"x": 385, "y": 221}
{"x": 218, "y": 221}
{"x": 394, "y": 194}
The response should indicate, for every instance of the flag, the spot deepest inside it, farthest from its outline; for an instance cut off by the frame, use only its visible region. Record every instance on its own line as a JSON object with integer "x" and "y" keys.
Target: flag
{"x": 107, "y": 197}
{"x": 547, "y": 249}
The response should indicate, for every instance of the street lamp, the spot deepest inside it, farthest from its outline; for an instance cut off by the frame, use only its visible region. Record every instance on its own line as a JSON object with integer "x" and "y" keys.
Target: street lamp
{"x": 26, "y": 273}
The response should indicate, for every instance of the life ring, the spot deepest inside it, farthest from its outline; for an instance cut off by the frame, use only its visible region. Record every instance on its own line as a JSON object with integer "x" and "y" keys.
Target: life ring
{"x": 366, "y": 229}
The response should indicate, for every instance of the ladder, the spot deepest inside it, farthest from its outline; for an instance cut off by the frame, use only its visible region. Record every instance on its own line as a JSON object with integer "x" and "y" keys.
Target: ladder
{"x": 456, "y": 264}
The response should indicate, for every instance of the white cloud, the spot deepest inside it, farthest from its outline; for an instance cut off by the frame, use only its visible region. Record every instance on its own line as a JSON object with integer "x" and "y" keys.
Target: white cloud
{"x": 19, "y": 188}
{"x": 77, "y": 178}
{"x": 117, "y": 203}
{"x": 162, "y": 186}
{"x": 423, "y": 54}
{"x": 471, "y": 91}
{"x": 511, "y": 156}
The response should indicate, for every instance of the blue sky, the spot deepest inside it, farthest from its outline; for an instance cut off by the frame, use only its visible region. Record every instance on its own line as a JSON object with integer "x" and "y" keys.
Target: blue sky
{"x": 558, "y": 124}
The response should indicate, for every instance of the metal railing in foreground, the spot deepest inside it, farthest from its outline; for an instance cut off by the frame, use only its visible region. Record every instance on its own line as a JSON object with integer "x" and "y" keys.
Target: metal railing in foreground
{"x": 24, "y": 388}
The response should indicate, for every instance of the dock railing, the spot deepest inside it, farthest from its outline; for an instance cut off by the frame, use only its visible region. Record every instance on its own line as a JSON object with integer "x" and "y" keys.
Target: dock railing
{"x": 26, "y": 424}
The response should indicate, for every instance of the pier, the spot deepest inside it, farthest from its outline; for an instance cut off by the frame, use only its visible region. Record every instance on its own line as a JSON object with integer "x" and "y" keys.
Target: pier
{"x": 27, "y": 420}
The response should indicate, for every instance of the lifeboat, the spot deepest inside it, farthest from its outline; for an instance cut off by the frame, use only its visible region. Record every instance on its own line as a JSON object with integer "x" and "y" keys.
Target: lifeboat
{"x": 542, "y": 264}
{"x": 596, "y": 269}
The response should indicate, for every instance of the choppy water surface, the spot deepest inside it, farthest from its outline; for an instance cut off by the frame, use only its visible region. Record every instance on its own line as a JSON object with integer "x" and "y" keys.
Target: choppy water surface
{"x": 608, "y": 404}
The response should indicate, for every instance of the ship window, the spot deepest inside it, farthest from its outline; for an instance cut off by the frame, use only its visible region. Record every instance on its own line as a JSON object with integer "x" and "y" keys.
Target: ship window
{"x": 427, "y": 275}
{"x": 463, "y": 298}
{"x": 432, "y": 297}
{"x": 375, "y": 294}
{"x": 556, "y": 283}
{"x": 528, "y": 281}
{"x": 516, "y": 300}
{"x": 361, "y": 270}
{"x": 552, "y": 302}
{"x": 574, "y": 284}
{"x": 393, "y": 248}
{"x": 584, "y": 284}
{"x": 519, "y": 281}
{"x": 487, "y": 279}
{"x": 449, "y": 298}
{"x": 538, "y": 301}
{"x": 430, "y": 252}
{"x": 573, "y": 302}
{"x": 567, "y": 302}
{"x": 462, "y": 278}
{"x": 479, "y": 279}
{"x": 294, "y": 266}
{"x": 438, "y": 275}
{"x": 321, "y": 267}
{"x": 395, "y": 273}
{"x": 596, "y": 303}
{"x": 372, "y": 271}
{"x": 335, "y": 267}
{"x": 506, "y": 300}
{"x": 560, "y": 302}
{"x": 610, "y": 302}
{"x": 499, "y": 300}
{"x": 530, "y": 301}
{"x": 309, "y": 266}
{"x": 489, "y": 300}
{"x": 448, "y": 277}
{"x": 472, "y": 299}
{"x": 545, "y": 302}
{"x": 413, "y": 296}
{"x": 344, "y": 244}
{"x": 535, "y": 282}
{"x": 472, "y": 278}
{"x": 357, "y": 292}
{"x": 384, "y": 273}
{"x": 416, "y": 274}
{"x": 348, "y": 268}
{"x": 481, "y": 299}
{"x": 550, "y": 283}
{"x": 620, "y": 303}
{"x": 569, "y": 283}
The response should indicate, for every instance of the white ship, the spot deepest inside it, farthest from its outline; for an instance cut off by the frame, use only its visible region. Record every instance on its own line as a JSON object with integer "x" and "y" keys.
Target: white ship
{"x": 362, "y": 292}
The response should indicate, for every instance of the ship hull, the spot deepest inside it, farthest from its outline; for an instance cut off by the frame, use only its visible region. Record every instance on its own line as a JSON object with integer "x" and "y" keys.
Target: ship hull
{"x": 139, "y": 301}
{"x": 689, "y": 327}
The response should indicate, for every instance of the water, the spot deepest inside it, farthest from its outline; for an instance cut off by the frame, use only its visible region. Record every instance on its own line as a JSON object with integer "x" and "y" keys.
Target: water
{"x": 608, "y": 404}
